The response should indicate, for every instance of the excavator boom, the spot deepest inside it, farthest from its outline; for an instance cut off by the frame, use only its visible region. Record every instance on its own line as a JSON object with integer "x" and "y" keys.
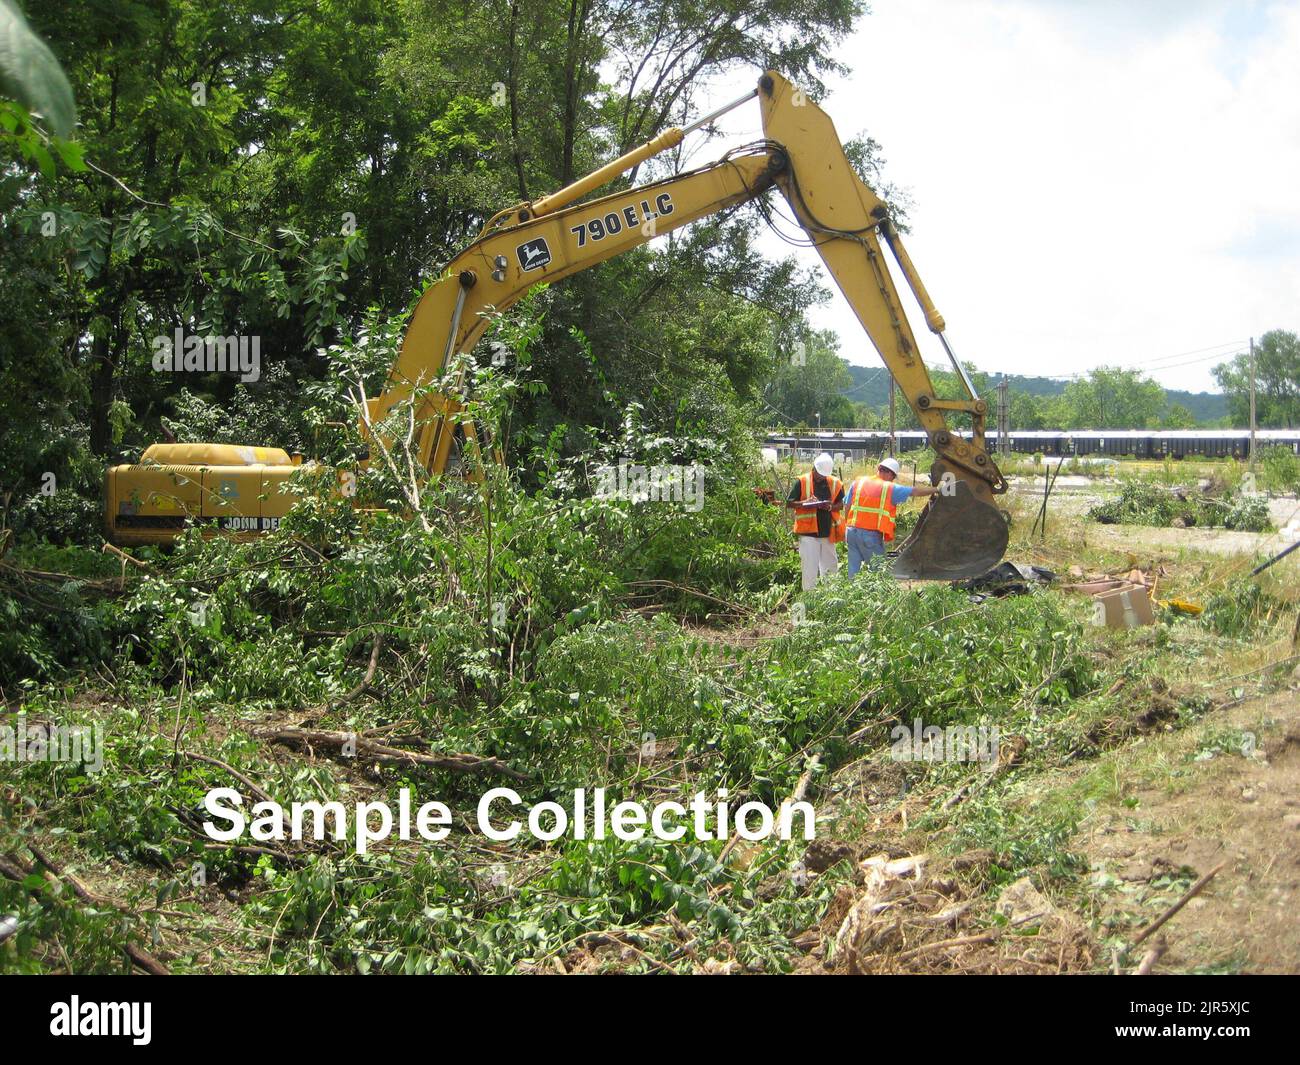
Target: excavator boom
{"x": 542, "y": 243}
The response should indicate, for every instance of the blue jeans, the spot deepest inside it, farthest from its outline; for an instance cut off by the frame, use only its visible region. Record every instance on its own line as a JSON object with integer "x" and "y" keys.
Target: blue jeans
{"x": 863, "y": 545}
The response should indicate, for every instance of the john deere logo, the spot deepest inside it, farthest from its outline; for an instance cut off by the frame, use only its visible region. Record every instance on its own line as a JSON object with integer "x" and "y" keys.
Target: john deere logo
{"x": 533, "y": 254}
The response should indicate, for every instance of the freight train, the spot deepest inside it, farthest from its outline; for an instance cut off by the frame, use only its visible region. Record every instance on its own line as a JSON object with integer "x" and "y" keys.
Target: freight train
{"x": 1116, "y": 443}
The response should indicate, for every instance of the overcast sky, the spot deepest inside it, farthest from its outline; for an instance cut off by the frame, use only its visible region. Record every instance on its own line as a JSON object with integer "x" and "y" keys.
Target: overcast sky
{"x": 1094, "y": 182}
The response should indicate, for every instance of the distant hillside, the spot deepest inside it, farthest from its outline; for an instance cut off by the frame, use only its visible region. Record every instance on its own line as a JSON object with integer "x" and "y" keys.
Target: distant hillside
{"x": 1205, "y": 406}
{"x": 871, "y": 386}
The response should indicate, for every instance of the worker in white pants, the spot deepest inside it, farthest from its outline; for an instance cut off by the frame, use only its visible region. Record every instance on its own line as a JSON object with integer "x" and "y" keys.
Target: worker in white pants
{"x": 817, "y": 557}
{"x": 816, "y": 499}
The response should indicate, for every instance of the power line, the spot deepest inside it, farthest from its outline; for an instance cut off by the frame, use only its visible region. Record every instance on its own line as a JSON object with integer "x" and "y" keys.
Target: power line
{"x": 1148, "y": 368}
{"x": 867, "y": 381}
{"x": 1194, "y": 351}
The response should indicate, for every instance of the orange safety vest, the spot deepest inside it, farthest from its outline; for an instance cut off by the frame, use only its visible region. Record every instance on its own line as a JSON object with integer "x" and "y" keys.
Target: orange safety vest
{"x": 871, "y": 506}
{"x": 805, "y": 521}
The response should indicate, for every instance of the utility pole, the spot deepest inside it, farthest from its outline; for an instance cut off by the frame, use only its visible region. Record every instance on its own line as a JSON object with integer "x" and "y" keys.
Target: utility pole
{"x": 1252, "y": 403}
{"x": 1004, "y": 419}
{"x": 892, "y": 389}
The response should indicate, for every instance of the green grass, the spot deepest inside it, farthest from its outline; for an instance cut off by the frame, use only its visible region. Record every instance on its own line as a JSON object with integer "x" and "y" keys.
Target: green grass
{"x": 564, "y": 685}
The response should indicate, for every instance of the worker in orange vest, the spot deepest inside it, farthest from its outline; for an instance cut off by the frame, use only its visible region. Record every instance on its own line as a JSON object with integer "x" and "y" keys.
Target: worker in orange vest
{"x": 817, "y": 499}
{"x": 872, "y": 508}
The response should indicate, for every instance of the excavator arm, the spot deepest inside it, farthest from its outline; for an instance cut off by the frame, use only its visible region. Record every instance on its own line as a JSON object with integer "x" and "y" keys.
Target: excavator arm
{"x": 961, "y": 532}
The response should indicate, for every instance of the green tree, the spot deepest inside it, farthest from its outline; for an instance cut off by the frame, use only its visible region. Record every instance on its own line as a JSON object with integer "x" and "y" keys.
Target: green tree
{"x": 1277, "y": 382}
{"x": 1178, "y": 417}
{"x": 1056, "y": 412}
{"x": 868, "y": 417}
{"x": 810, "y": 382}
{"x": 1113, "y": 398}
{"x": 683, "y": 327}
{"x": 31, "y": 75}
{"x": 263, "y": 171}
{"x": 163, "y": 231}
{"x": 1026, "y": 412}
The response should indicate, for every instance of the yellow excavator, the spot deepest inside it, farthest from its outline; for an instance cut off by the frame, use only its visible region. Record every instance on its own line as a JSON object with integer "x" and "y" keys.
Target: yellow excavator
{"x": 960, "y": 533}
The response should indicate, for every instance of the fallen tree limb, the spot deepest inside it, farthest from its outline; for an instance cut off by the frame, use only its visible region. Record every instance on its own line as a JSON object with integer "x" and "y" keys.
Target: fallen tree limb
{"x": 962, "y": 941}
{"x": 373, "y": 665}
{"x": 1190, "y": 894}
{"x": 191, "y": 821}
{"x": 991, "y": 936}
{"x": 370, "y": 749}
{"x": 42, "y": 578}
{"x": 112, "y": 550}
{"x": 1151, "y": 957}
{"x": 253, "y": 789}
{"x": 800, "y": 790}
{"x": 79, "y": 889}
{"x": 17, "y": 868}
{"x": 736, "y": 608}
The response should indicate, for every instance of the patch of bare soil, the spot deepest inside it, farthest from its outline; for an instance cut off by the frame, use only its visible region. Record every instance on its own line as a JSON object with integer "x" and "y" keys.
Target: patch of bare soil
{"x": 910, "y": 911}
{"x": 744, "y": 634}
{"x": 1071, "y": 497}
{"x": 1241, "y": 812}
{"x": 1201, "y": 804}
{"x": 1138, "y": 538}
{"x": 1283, "y": 512}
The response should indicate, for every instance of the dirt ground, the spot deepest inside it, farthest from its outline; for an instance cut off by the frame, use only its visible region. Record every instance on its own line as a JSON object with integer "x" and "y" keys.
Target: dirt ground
{"x": 1221, "y": 795}
{"x": 1174, "y": 800}
{"x": 1215, "y": 541}
{"x": 1072, "y": 497}
{"x": 1241, "y": 811}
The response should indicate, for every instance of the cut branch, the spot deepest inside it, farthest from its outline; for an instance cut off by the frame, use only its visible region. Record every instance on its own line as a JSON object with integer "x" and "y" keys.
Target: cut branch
{"x": 1190, "y": 894}
{"x": 15, "y": 867}
{"x": 343, "y": 700}
{"x": 379, "y": 752}
{"x": 253, "y": 789}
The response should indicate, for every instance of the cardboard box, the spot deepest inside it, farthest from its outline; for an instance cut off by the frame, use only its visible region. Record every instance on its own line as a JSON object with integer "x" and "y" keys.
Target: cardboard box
{"x": 1123, "y": 608}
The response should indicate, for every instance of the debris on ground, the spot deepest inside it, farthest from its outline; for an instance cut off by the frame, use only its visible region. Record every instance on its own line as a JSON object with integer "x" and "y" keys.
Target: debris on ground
{"x": 1140, "y": 503}
{"x": 1006, "y": 578}
{"x": 1182, "y": 606}
{"x": 1094, "y": 584}
{"x": 915, "y": 915}
{"x": 1123, "y": 608}
{"x": 1120, "y": 602}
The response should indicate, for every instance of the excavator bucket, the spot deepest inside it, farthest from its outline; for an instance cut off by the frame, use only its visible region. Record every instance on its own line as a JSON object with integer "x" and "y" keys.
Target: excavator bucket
{"x": 957, "y": 535}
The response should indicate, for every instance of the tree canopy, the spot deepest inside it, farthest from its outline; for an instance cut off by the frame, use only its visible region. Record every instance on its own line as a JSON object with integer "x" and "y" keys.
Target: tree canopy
{"x": 294, "y": 172}
{"x": 1277, "y": 382}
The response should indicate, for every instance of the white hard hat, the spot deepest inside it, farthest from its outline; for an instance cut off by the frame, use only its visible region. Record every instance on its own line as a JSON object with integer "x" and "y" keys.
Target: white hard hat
{"x": 824, "y": 464}
{"x": 892, "y": 465}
